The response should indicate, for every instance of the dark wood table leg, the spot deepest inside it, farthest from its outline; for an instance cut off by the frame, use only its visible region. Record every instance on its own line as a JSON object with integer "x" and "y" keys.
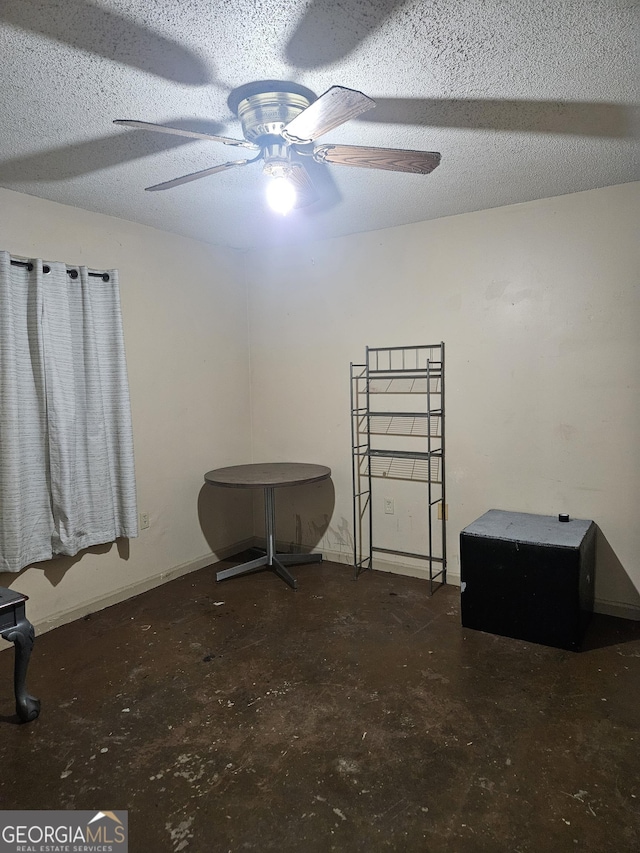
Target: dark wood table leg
{"x": 22, "y": 636}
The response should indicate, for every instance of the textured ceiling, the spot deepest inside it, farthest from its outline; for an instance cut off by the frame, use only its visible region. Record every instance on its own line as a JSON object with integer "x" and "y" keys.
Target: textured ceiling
{"x": 524, "y": 99}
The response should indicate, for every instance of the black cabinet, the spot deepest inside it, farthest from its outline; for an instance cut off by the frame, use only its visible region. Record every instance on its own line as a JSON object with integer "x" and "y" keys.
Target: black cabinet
{"x": 528, "y": 576}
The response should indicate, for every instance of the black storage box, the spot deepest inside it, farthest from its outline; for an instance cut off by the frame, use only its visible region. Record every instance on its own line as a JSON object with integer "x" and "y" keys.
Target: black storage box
{"x": 528, "y": 576}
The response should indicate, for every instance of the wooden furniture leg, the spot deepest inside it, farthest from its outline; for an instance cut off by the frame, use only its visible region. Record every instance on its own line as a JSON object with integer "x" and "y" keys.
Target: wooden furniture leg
{"x": 16, "y": 629}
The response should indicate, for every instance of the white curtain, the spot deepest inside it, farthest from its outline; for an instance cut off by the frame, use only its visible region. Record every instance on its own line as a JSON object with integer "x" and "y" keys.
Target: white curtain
{"x": 66, "y": 448}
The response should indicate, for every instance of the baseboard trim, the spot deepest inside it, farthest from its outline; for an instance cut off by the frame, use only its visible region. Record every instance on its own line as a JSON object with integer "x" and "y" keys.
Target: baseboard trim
{"x": 381, "y": 565}
{"x": 138, "y": 587}
{"x": 618, "y": 609}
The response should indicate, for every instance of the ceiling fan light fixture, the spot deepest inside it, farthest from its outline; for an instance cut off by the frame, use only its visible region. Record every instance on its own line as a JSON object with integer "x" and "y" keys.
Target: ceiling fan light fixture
{"x": 281, "y": 194}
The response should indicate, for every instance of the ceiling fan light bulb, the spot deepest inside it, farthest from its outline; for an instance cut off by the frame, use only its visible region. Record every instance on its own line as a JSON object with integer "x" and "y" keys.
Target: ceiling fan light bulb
{"x": 281, "y": 195}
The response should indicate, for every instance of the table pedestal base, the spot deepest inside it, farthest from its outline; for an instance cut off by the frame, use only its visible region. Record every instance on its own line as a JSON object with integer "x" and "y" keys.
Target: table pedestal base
{"x": 271, "y": 560}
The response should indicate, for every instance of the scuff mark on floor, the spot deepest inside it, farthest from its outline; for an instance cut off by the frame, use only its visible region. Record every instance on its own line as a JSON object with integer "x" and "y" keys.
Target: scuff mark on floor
{"x": 181, "y": 834}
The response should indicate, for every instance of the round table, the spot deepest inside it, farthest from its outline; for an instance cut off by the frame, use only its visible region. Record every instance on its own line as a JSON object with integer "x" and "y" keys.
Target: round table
{"x": 269, "y": 476}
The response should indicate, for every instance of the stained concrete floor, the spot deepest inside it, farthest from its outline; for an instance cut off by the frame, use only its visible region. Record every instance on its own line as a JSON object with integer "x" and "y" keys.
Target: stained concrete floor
{"x": 346, "y": 716}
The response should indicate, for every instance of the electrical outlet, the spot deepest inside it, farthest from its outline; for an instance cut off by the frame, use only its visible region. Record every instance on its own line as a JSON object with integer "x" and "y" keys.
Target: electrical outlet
{"x": 388, "y": 506}
{"x": 144, "y": 520}
{"x": 446, "y": 511}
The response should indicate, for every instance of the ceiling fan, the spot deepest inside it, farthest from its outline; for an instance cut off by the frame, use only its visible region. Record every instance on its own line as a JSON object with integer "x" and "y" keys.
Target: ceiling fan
{"x": 281, "y": 122}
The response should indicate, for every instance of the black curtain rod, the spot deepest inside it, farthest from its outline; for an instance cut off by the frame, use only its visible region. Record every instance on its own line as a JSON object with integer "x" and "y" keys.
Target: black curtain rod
{"x": 46, "y": 268}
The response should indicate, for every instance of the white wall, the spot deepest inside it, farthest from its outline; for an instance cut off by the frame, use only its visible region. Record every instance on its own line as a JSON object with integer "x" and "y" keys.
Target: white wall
{"x": 539, "y": 306}
{"x": 184, "y": 310}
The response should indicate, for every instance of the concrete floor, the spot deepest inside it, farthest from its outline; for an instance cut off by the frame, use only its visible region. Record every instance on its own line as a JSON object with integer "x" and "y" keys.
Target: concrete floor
{"x": 346, "y": 716}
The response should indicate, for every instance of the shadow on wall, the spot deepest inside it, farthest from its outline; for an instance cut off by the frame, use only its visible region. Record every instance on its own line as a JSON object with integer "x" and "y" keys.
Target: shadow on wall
{"x": 54, "y": 570}
{"x": 225, "y": 516}
{"x": 303, "y": 515}
{"x": 608, "y": 629}
{"x": 228, "y": 516}
{"x": 620, "y": 589}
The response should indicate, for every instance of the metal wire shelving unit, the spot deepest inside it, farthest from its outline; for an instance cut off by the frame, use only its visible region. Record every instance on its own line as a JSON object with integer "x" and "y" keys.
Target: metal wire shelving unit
{"x": 397, "y": 433}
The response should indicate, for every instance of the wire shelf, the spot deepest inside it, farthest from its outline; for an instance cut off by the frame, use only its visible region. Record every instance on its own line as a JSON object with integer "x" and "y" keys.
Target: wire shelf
{"x": 405, "y": 384}
{"x": 409, "y": 424}
{"x": 406, "y": 468}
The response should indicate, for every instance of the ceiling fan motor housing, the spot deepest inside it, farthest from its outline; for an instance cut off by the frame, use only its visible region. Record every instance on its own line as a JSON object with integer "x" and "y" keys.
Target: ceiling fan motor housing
{"x": 266, "y": 114}
{"x": 265, "y": 107}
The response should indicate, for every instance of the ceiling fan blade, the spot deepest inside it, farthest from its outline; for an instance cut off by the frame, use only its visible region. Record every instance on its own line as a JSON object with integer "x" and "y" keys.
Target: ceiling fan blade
{"x": 306, "y": 192}
{"x": 194, "y": 176}
{"x": 191, "y": 134}
{"x": 392, "y": 159}
{"x": 578, "y": 118}
{"x": 336, "y": 106}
